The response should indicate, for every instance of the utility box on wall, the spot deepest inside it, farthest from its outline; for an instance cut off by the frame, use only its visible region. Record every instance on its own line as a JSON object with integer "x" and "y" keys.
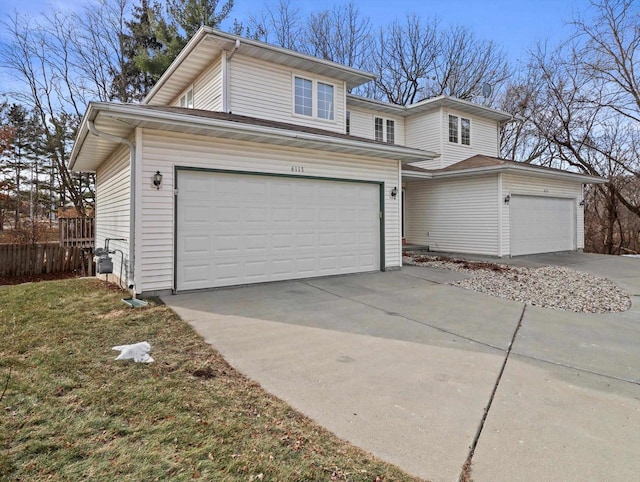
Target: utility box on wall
{"x": 104, "y": 263}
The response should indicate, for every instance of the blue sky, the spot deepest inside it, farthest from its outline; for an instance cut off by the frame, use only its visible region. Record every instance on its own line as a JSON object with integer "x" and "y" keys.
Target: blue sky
{"x": 513, "y": 24}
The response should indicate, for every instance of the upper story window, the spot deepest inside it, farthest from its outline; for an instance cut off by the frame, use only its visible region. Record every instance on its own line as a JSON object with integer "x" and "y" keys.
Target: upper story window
{"x": 465, "y": 131}
{"x": 459, "y": 130}
{"x": 385, "y": 130}
{"x": 186, "y": 99}
{"x": 306, "y": 91}
{"x": 325, "y": 101}
{"x": 304, "y": 96}
{"x": 391, "y": 131}
{"x": 348, "y": 123}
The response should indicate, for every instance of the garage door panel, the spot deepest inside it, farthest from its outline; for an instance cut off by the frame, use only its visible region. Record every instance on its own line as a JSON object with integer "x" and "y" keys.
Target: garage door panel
{"x": 542, "y": 225}
{"x": 239, "y": 229}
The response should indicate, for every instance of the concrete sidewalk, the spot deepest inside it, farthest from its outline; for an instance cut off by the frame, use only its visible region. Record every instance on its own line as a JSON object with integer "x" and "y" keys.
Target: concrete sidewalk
{"x": 403, "y": 366}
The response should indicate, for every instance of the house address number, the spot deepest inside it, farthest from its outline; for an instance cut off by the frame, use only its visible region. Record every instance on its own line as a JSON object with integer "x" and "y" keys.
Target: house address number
{"x": 297, "y": 169}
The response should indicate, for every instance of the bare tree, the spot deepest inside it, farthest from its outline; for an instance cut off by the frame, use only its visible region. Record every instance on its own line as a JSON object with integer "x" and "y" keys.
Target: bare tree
{"x": 100, "y": 50}
{"x": 404, "y": 56}
{"x": 43, "y": 58}
{"x": 607, "y": 49}
{"x": 279, "y": 24}
{"x": 525, "y": 98}
{"x": 465, "y": 63}
{"x": 416, "y": 60}
{"x": 341, "y": 35}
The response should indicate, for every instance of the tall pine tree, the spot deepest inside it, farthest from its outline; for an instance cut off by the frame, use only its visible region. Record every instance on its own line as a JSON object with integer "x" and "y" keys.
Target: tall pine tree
{"x": 155, "y": 39}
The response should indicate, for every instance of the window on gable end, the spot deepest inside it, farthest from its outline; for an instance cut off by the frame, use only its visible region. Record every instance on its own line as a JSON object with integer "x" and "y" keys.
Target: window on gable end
{"x": 186, "y": 99}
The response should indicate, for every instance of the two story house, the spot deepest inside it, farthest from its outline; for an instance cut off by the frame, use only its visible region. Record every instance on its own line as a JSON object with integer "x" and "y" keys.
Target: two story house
{"x": 250, "y": 163}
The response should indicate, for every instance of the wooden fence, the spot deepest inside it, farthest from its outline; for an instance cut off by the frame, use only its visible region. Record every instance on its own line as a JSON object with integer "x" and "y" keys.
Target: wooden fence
{"x": 78, "y": 232}
{"x": 35, "y": 259}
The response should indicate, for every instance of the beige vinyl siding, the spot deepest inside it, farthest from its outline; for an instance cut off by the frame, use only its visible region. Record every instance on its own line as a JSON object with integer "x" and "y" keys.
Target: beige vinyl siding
{"x": 540, "y": 186}
{"x": 484, "y": 139}
{"x": 362, "y": 124}
{"x": 112, "y": 207}
{"x": 423, "y": 132}
{"x": 265, "y": 90}
{"x": 163, "y": 151}
{"x": 207, "y": 89}
{"x": 455, "y": 215}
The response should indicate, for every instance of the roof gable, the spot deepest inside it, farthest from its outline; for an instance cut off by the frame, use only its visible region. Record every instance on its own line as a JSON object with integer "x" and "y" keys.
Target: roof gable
{"x": 208, "y": 44}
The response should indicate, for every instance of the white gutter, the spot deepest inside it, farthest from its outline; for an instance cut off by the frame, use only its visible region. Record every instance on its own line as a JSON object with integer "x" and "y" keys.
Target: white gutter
{"x": 131, "y": 284}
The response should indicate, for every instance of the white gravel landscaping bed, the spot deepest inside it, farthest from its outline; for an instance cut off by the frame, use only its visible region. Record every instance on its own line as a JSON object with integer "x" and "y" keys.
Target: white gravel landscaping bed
{"x": 549, "y": 286}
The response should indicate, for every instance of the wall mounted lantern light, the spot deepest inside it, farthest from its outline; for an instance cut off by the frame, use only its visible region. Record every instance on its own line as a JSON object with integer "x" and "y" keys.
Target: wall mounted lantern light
{"x": 157, "y": 179}
{"x": 507, "y": 198}
{"x": 582, "y": 203}
{"x": 394, "y": 192}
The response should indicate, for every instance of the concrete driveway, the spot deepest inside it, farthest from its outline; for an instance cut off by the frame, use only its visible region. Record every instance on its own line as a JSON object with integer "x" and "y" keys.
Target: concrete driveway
{"x": 405, "y": 366}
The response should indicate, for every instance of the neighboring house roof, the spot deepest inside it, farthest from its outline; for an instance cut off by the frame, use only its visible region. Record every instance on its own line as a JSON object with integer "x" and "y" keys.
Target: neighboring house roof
{"x": 479, "y": 164}
{"x": 207, "y": 44}
{"x": 89, "y": 151}
{"x": 430, "y": 105}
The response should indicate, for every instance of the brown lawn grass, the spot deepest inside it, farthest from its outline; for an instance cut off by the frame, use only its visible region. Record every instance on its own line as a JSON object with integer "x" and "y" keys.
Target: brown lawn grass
{"x": 70, "y": 412}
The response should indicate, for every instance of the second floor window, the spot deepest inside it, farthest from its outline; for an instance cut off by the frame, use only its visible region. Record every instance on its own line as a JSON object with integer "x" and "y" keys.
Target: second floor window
{"x": 391, "y": 131}
{"x": 459, "y": 130}
{"x": 304, "y": 96}
{"x": 186, "y": 99}
{"x": 325, "y": 101}
{"x": 465, "y": 131}
{"x": 348, "y": 122}
{"x": 306, "y": 91}
{"x": 385, "y": 135}
{"x": 379, "y": 131}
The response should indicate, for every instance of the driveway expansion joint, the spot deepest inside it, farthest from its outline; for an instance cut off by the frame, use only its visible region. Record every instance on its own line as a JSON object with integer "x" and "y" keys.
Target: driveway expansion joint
{"x": 465, "y": 474}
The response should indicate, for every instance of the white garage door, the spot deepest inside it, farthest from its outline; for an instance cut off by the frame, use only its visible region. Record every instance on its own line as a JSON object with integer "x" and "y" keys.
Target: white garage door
{"x": 238, "y": 228}
{"x": 542, "y": 225}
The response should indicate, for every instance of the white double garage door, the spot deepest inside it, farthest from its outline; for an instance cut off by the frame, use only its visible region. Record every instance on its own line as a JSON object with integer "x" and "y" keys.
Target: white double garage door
{"x": 542, "y": 224}
{"x": 239, "y": 228}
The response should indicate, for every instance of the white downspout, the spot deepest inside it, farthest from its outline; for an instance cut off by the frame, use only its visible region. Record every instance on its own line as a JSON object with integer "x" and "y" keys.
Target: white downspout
{"x": 226, "y": 58}
{"x": 132, "y": 212}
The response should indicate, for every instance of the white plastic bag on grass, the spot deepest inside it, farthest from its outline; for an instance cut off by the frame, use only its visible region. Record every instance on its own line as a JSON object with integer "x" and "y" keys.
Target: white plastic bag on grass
{"x": 138, "y": 352}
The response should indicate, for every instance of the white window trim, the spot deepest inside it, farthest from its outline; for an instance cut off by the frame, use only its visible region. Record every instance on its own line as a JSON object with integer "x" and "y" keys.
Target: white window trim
{"x": 460, "y": 117}
{"x": 314, "y": 98}
{"x": 385, "y": 130}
